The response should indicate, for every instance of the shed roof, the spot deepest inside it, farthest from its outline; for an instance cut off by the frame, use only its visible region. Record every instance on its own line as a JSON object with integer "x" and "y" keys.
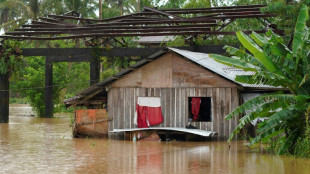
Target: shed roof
{"x": 201, "y": 59}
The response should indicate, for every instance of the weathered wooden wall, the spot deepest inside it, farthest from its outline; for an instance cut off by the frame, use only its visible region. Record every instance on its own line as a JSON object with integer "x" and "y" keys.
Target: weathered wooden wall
{"x": 173, "y": 78}
{"x": 172, "y": 71}
{"x": 122, "y": 103}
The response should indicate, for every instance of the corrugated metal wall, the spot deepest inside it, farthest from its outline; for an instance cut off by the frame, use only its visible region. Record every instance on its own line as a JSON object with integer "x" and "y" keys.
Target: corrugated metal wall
{"x": 122, "y": 103}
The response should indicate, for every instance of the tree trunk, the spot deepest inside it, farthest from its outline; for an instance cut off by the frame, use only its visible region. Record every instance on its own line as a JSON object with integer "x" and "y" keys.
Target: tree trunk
{"x": 5, "y": 19}
{"x": 120, "y": 4}
{"x": 100, "y": 9}
{"x": 4, "y": 98}
{"x": 138, "y": 6}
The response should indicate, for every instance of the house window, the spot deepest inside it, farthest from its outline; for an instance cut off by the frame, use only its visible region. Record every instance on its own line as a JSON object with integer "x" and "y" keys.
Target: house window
{"x": 199, "y": 109}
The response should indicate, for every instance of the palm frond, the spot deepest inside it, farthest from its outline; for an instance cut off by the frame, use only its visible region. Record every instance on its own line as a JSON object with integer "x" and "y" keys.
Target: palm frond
{"x": 257, "y": 101}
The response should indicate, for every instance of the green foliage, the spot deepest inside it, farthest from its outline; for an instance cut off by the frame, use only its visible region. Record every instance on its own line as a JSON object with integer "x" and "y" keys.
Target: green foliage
{"x": 85, "y": 7}
{"x": 274, "y": 64}
{"x": 302, "y": 147}
{"x": 171, "y": 3}
{"x": 112, "y": 65}
{"x": 33, "y": 80}
{"x": 17, "y": 12}
{"x": 68, "y": 79}
{"x": 18, "y": 100}
{"x": 10, "y": 56}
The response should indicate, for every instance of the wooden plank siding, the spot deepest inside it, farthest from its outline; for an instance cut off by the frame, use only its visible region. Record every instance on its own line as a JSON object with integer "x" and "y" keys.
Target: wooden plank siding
{"x": 172, "y": 71}
{"x": 174, "y": 101}
{"x": 174, "y": 78}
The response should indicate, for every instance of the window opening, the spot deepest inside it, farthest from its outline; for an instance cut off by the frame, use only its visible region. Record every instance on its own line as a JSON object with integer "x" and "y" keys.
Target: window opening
{"x": 199, "y": 109}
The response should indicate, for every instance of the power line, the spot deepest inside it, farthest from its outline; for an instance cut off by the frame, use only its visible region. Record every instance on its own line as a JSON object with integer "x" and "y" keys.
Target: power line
{"x": 42, "y": 87}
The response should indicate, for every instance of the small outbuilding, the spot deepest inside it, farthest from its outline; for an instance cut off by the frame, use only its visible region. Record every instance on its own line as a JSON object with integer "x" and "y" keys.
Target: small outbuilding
{"x": 190, "y": 89}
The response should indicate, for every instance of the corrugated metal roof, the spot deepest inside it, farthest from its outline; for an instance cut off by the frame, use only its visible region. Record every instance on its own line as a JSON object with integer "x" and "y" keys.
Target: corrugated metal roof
{"x": 225, "y": 71}
{"x": 233, "y": 72}
{"x": 203, "y": 133}
{"x": 207, "y": 62}
{"x": 155, "y": 39}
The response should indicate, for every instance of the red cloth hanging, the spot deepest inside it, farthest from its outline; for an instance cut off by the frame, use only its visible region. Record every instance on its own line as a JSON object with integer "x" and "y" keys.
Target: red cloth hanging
{"x": 148, "y": 112}
{"x": 142, "y": 116}
{"x": 196, "y": 106}
{"x": 154, "y": 115}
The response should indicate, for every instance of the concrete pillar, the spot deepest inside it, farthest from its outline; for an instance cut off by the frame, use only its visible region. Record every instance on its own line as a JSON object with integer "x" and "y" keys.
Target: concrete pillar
{"x": 4, "y": 98}
{"x": 94, "y": 70}
{"x": 48, "y": 88}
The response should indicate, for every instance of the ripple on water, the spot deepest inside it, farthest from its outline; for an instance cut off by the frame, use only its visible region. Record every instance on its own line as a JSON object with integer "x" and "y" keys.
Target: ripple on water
{"x": 36, "y": 145}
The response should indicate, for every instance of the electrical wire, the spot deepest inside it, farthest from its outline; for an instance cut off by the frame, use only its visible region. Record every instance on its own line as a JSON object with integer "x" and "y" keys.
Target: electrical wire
{"x": 42, "y": 87}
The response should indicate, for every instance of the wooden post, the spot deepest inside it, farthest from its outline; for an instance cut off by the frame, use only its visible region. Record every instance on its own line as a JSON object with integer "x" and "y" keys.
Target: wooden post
{"x": 4, "y": 98}
{"x": 48, "y": 88}
{"x": 94, "y": 70}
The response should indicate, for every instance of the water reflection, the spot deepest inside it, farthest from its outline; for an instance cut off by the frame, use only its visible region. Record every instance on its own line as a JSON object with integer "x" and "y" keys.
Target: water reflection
{"x": 34, "y": 145}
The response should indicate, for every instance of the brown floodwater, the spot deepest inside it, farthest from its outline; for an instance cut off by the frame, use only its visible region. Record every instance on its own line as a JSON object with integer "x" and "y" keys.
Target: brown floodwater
{"x": 37, "y": 145}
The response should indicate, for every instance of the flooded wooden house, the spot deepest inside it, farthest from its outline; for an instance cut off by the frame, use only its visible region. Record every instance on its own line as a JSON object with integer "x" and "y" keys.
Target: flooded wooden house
{"x": 187, "y": 90}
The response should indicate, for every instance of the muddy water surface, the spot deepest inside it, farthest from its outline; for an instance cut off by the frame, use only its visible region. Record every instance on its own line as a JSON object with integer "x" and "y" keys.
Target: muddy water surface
{"x": 35, "y": 145}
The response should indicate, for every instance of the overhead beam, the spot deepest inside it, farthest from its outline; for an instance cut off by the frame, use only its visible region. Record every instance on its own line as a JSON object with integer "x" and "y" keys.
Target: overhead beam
{"x": 75, "y": 58}
{"x": 217, "y": 8}
{"x": 137, "y": 22}
{"x": 69, "y": 54}
{"x": 103, "y": 31}
{"x": 197, "y": 11}
{"x": 87, "y": 52}
{"x": 92, "y": 20}
{"x": 35, "y": 28}
{"x": 172, "y": 11}
{"x": 128, "y": 35}
{"x": 162, "y": 13}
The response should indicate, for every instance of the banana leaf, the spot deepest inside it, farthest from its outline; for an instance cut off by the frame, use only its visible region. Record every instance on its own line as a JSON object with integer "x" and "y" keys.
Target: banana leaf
{"x": 234, "y": 62}
{"x": 256, "y": 51}
{"x": 300, "y": 30}
{"x": 261, "y": 41}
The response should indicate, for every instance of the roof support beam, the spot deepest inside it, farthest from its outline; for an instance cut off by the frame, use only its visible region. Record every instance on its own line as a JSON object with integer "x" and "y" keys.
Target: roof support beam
{"x": 128, "y": 35}
{"x": 83, "y": 54}
{"x": 163, "y": 13}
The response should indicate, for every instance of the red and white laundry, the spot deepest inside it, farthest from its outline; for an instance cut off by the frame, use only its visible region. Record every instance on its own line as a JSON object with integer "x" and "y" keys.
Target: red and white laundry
{"x": 148, "y": 112}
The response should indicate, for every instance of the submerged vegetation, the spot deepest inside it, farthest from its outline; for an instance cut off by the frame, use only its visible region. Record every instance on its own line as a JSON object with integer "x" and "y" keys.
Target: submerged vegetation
{"x": 275, "y": 64}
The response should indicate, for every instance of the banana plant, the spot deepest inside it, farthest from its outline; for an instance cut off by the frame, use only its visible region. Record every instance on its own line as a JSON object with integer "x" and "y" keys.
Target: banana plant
{"x": 274, "y": 64}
